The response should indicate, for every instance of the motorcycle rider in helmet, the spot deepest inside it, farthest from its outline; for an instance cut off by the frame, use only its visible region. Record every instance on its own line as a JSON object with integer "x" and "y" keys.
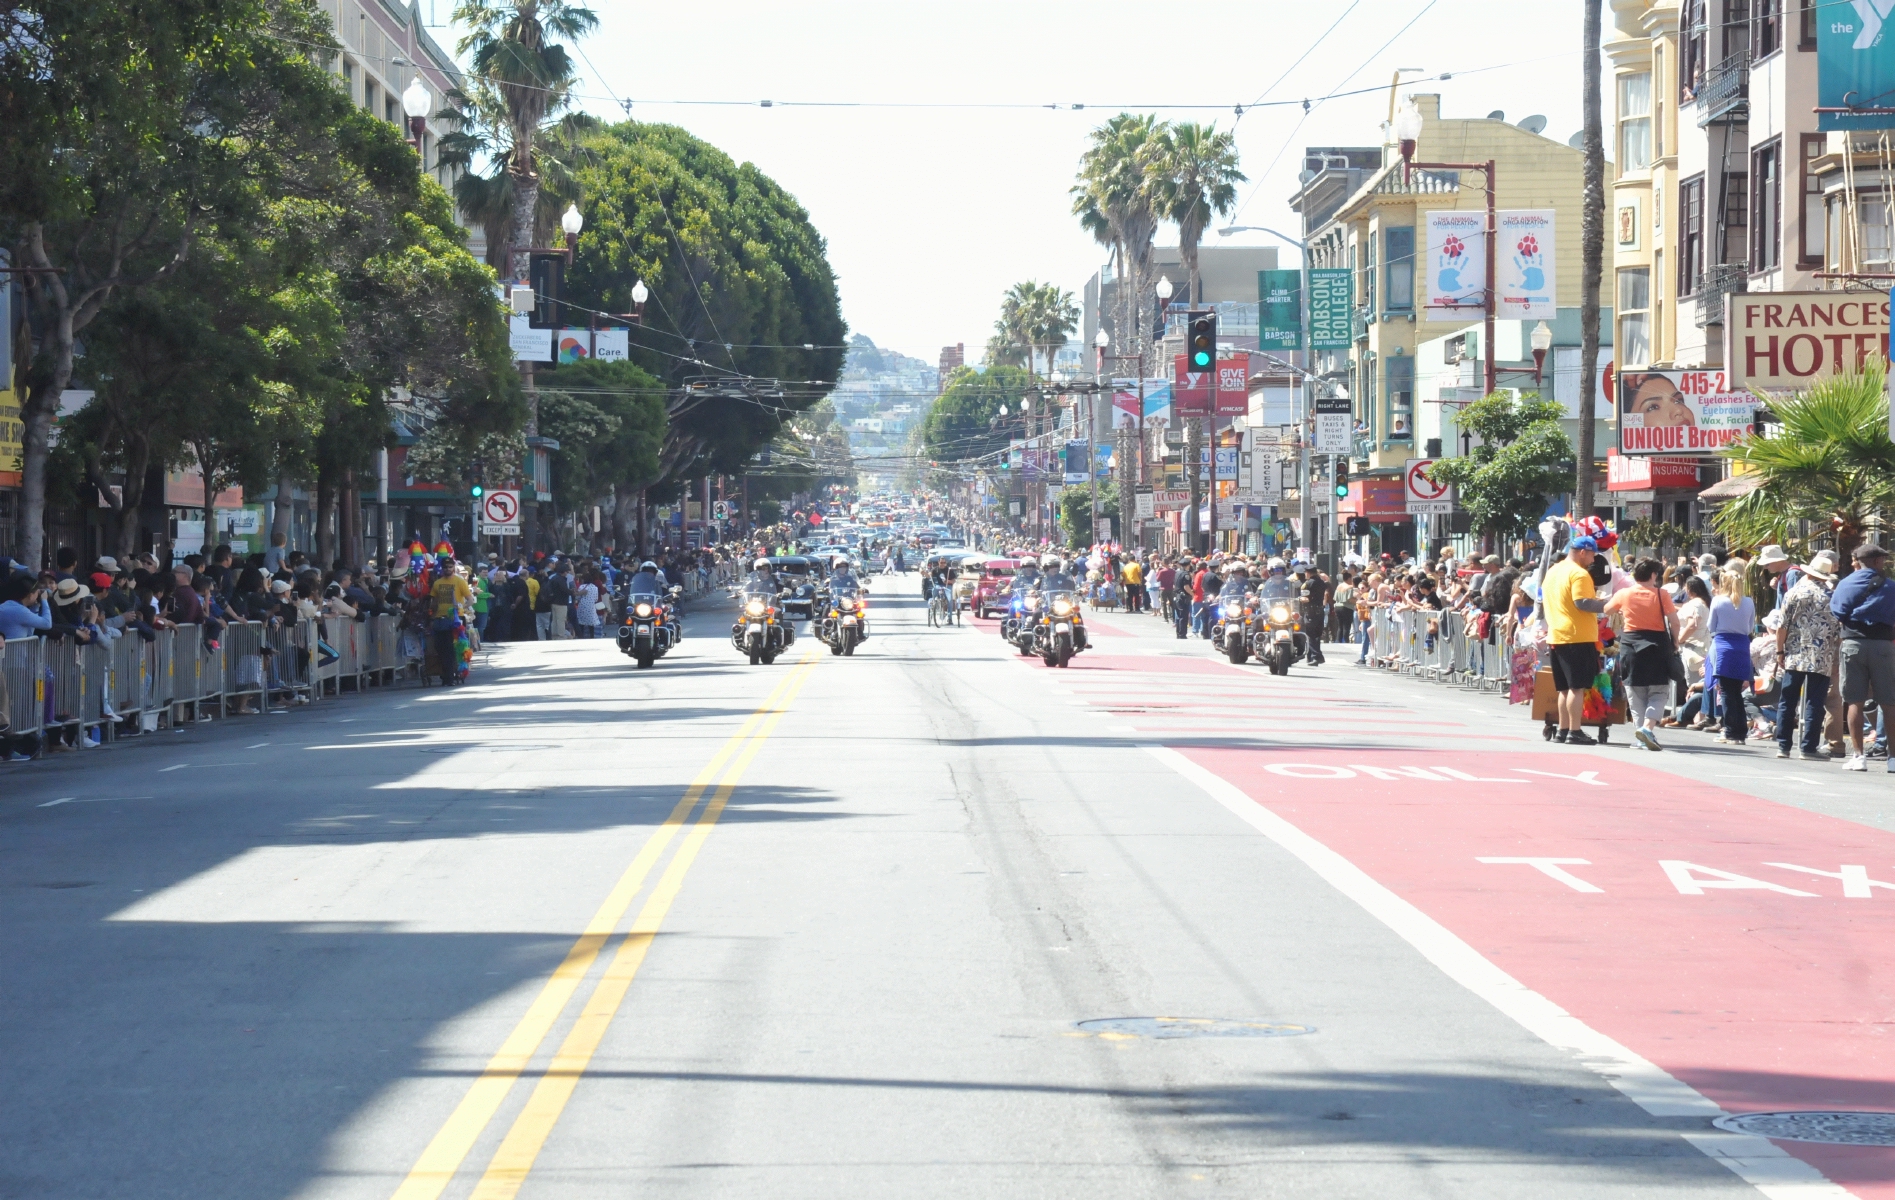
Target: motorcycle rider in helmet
{"x": 842, "y": 581}
{"x": 647, "y": 579}
{"x": 1278, "y": 585}
{"x": 1054, "y": 577}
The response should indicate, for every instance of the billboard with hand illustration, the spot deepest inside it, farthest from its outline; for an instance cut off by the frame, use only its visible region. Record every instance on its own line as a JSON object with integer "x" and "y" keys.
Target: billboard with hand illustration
{"x": 1525, "y": 271}
{"x": 1456, "y": 265}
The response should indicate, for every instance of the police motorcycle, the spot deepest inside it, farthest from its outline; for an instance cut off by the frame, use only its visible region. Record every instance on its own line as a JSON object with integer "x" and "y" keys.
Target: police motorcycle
{"x": 842, "y": 612}
{"x": 1236, "y": 617}
{"x": 763, "y": 628}
{"x": 1059, "y": 632}
{"x": 1279, "y": 639}
{"x": 1023, "y": 606}
{"x": 651, "y": 624}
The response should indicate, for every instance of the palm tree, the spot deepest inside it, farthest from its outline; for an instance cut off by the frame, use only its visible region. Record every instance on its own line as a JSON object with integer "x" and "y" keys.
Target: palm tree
{"x": 1113, "y": 193}
{"x": 1829, "y": 468}
{"x": 484, "y": 136}
{"x": 1012, "y": 342}
{"x": 1192, "y": 172}
{"x": 1053, "y": 317}
{"x": 532, "y": 77}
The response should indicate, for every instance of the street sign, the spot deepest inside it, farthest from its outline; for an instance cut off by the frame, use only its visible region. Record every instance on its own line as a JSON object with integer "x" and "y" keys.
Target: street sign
{"x": 1423, "y": 495}
{"x": 500, "y": 513}
{"x": 720, "y": 511}
{"x": 1144, "y": 506}
{"x": 1335, "y": 425}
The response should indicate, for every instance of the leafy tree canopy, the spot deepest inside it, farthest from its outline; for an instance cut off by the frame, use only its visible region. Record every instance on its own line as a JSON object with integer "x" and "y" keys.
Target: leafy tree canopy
{"x": 961, "y": 424}
{"x": 1523, "y": 457}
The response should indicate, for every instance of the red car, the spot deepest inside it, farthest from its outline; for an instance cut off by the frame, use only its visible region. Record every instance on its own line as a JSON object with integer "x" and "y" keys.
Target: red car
{"x": 993, "y": 586}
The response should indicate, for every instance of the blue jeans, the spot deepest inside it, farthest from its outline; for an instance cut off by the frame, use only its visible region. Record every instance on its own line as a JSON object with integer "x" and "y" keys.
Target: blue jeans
{"x": 1814, "y": 691}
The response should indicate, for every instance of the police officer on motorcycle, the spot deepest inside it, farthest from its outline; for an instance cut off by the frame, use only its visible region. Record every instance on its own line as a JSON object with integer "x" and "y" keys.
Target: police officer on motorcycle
{"x": 1278, "y": 585}
{"x": 1055, "y": 578}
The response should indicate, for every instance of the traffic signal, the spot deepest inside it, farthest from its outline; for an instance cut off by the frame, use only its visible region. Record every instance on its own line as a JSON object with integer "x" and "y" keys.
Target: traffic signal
{"x": 1200, "y": 346}
{"x": 1342, "y": 479}
{"x": 478, "y": 491}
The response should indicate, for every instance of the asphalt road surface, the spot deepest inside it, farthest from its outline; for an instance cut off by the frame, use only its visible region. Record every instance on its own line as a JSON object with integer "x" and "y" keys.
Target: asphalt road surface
{"x": 933, "y": 920}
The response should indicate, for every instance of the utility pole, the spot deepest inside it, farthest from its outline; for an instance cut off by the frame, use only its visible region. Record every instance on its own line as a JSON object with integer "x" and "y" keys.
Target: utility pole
{"x": 1193, "y": 448}
{"x": 1592, "y": 254}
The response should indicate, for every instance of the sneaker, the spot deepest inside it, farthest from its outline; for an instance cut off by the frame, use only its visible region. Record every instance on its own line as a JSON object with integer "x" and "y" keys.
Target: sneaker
{"x": 1879, "y": 750}
{"x": 1783, "y": 752}
{"x": 1856, "y": 763}
{"x": 16, "y": 756}
{"x": 88, "y": 743}
{"x": 1580, "y": 737}
{"x": 1561, "y": 737}
{"x": 1647, "y": 738}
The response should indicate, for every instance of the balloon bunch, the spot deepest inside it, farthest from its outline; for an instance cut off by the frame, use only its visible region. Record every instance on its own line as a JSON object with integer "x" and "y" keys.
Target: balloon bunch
{"x": 1595, "y": 528}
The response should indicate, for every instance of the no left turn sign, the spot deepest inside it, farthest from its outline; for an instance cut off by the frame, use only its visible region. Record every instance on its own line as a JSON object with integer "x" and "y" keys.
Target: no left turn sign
{"x": 1424, "y": 495}
{"x": 500, "y": 512}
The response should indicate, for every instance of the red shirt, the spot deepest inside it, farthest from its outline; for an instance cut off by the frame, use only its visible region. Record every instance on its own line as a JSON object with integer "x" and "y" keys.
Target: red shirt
{"x": 1197, "y": 585}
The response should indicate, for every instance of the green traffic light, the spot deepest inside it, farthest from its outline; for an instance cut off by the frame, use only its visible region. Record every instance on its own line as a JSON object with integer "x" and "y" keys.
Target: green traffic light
{"x": 1342, "y": 491}
{"x": 1201, "y": 359}
{"x": 478, "y": 490}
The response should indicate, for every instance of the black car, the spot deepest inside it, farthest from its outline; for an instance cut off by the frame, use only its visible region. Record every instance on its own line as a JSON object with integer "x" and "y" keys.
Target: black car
{"x": 802, "y": 576}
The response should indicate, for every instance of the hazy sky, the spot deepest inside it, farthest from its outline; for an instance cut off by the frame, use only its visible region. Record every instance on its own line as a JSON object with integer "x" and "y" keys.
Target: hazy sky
{"x": 931, "y": 213}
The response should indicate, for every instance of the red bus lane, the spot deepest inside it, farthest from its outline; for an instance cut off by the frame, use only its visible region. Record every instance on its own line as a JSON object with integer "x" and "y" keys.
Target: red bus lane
{"x": 1742, "y": 946}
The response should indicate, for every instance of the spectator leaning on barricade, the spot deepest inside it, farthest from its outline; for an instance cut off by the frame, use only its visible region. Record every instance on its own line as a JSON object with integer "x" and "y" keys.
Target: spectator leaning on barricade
{"x": 1864, "y": 605}
{"x": 1572, "y": 623}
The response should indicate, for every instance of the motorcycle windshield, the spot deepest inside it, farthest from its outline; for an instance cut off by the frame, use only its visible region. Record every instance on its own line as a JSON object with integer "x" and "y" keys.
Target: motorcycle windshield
{"x": 1279, "y": 589}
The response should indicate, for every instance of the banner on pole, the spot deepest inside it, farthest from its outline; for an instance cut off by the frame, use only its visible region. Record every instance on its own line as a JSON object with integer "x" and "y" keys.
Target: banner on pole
{"x": 1524, "y": 275}
{"x": 1280, "y": 310}
{"x": 1855, "y": 65}
{"x": 529, "y": 344}
{"x": 1331, "y": 308}
{"x": 611, "y": 345}
{"x": 1457, "y": 265}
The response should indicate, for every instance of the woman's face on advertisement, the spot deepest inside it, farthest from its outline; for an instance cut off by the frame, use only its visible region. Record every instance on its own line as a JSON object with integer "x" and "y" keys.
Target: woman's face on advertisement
{"x": 1661, "y": 404}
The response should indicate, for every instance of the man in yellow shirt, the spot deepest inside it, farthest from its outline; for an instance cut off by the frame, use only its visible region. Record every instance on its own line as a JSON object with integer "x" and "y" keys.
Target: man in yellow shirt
{"x": 446, "y": 597}
{"x": 1134, "y": 586}
{"x": 1572, "y": 634}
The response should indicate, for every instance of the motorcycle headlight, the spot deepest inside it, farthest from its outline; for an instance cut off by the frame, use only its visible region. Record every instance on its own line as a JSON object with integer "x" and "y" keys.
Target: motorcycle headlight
{"x": 754, "y": 608}
{"x": 1032, "y": 602}
{"x": 847, "y": 603}
{"x": 643, "y": 610}
{"x": 1234, "y": 609}
{"x": 1280, "y": 613}
{"x": 1062, "y": 607}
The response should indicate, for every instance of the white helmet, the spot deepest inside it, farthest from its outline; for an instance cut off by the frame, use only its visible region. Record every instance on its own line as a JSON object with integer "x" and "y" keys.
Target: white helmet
{"x": 1276, "y": 564}
{"x": 1050, "y": 562}
{"x": 762, "y": 564}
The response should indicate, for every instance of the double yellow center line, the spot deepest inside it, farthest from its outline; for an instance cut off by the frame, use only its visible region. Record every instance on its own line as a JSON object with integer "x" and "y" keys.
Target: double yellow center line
{"x": 437, "y": 1166}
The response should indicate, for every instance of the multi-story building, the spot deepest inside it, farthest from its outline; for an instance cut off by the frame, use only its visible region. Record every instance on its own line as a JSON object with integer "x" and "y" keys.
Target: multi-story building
{"x": 385, "y": 46}
{"x": 953, "y": 358}
{"x": 1372, "y": 221}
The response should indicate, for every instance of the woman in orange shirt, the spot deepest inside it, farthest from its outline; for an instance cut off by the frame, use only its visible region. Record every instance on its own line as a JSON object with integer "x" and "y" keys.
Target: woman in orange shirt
{"x": 1647, "y": 621}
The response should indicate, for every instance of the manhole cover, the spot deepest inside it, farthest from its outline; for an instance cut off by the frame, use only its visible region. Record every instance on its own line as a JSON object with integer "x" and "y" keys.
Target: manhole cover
{"x": 1185, "y": 1027}
{"x": 1840, "y": 1128}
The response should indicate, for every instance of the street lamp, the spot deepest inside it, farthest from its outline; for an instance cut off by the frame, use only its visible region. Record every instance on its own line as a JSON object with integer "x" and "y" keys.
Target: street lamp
{"x": 640, "y": 294}
{"x": 416, "y": 102}
{"x": 572, "y": 222}
{"x": 1542, "y": 341}
{"x": 1407, "y": 129}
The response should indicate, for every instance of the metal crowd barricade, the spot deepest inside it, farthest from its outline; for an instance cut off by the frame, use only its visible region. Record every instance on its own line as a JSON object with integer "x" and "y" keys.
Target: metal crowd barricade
{"x": 243, "y": 660}
{"x": 1456, "y": 653}
{"x": 133, "y": 659}
{"x": 23, "y": 675}
{"x": 67, "y": 682}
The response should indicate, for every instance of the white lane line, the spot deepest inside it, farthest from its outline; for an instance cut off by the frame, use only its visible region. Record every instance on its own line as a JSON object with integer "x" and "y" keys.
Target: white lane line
{"x": 258, "y": 746}
{"x": 61, "y": 800}
{"x": 178, "y": 767}
{"x": 1758, "y": 1161}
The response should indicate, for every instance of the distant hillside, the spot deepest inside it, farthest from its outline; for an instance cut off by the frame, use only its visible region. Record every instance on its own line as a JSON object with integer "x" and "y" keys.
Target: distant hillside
{"x": 866, "y": 360}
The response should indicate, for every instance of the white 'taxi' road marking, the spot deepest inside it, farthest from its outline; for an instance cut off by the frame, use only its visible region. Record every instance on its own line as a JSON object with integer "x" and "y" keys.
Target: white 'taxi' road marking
{"x": 1856, "y": 883}
{"x": 1756, "y": 1160}
{"x": 1551, "y": 867}
{"x": 1686, "y": 877}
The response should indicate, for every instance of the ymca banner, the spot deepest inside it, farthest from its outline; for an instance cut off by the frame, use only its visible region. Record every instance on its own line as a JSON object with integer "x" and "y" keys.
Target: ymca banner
{"x": 1681, "y": 412}
{"x": 1524, "y": 275}
{"x": 1457, "y": 265}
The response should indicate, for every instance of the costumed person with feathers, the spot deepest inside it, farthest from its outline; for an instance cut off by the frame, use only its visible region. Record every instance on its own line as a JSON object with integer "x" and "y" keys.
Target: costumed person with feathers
{"x": 447, "y": 596}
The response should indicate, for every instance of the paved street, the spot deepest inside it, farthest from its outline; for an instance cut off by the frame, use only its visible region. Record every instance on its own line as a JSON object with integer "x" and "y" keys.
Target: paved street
{"x": 843, "y": 927}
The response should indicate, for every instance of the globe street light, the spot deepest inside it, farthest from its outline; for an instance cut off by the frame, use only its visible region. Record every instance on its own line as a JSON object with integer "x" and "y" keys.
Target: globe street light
{"x": 416, "y": 102}
{"x": 572, "y": 222}
{"x": 640, "y": 294}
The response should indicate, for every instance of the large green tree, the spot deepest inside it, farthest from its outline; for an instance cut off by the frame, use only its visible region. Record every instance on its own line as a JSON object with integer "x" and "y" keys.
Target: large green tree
{"x": 743, "y": 324}
{"x": 1521, "y": 460}
{"x": 134, "y": 130}
{"x": 966, "y": 421}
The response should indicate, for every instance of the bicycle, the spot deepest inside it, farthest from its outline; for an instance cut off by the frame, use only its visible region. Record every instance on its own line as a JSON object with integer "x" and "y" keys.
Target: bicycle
{"x": 938, "y": 612}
